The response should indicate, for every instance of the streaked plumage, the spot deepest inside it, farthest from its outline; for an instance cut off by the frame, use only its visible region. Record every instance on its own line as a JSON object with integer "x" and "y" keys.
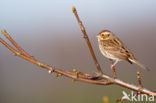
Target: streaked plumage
{"x": 113, "y": 48}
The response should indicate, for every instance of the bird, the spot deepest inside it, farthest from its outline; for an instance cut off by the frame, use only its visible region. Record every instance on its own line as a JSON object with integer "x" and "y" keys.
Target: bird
{"x": 114, "y": 49}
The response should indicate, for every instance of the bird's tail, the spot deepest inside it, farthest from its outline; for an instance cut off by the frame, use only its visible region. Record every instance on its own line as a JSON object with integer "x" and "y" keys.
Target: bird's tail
{"x": 140, "y": 64}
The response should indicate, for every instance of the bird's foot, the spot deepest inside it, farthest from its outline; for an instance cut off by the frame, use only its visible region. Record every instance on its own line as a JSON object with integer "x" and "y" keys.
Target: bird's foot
{"x": 114, "y": 75}
{"x": 114, "y": 72}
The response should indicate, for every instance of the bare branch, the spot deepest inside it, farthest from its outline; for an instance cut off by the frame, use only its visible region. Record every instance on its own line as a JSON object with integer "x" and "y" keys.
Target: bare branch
{"x": 87, "y": 40}
{"x": 82, "y": 77}
{"x": 14, "y": 43}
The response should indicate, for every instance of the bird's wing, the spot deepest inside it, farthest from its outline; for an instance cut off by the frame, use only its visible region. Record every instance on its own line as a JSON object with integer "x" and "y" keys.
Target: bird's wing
{"x": 124, "y": 50}
{"x": 118, "y": 49}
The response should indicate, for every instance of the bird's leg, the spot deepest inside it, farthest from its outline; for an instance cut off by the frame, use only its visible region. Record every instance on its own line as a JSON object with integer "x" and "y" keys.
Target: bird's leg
{"x": 113, "y": 67}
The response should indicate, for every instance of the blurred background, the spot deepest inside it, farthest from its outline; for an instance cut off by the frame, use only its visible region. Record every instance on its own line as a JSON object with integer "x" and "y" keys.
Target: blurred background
{"x": 48, "y": 30}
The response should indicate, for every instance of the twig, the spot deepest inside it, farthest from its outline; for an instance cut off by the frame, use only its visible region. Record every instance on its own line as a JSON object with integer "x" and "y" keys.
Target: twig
{"x": 139, "y": 80}
{"x": 87, "y": 40}
{"x": 14, "y": 43}
{"x": 129, "y": 86}
{"x": 81, "y": 76}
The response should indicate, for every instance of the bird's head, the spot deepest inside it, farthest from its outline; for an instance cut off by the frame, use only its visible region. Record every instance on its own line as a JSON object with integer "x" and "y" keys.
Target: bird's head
{"x": 105, "y": 35}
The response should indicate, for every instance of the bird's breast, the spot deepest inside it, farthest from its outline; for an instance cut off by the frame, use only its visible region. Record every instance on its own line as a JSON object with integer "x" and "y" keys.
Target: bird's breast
{"x": 104, "y": 47}
{"x": 106, "y": 53}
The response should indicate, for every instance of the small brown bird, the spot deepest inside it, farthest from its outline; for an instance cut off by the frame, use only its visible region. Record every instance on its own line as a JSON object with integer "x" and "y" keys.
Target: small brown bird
{"x": 114, "y": 49}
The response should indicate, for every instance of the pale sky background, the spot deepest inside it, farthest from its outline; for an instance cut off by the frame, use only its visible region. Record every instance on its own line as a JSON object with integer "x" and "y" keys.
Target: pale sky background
{"x": 48, "y": 30}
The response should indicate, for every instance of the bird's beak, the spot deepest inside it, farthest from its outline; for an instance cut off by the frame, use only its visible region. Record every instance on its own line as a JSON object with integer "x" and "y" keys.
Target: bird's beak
{"x": 97, "y": 36}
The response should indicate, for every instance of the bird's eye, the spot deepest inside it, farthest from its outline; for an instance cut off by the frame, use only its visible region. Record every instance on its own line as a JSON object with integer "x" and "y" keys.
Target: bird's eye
{"x": 102, "y": 34}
